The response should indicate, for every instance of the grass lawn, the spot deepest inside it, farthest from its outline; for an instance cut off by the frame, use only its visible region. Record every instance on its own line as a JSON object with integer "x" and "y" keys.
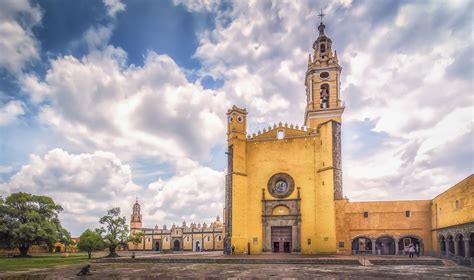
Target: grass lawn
{"x": 42, "y": 261}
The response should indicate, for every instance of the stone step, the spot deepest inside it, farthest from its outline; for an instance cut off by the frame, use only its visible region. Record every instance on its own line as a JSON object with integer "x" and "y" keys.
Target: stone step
{"x": 406, "y": 262}
{"x": 318, "y": 261}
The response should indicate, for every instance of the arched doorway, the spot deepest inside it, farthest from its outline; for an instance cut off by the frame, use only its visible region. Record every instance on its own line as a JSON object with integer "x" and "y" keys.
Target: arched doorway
{"x": 197, "y": 246}
{"x": 450, "y": 243}
{"x": 57, "y": 249}
{"x": 442, "y": 245}
{"x": 405, "y": 241}
{"x": 157, "y": 246}
{"x": 176, "y": 245}
{"x": 461, "y": 249}
{"x": 362, "y": 245}
{"x": 386, "y": 245}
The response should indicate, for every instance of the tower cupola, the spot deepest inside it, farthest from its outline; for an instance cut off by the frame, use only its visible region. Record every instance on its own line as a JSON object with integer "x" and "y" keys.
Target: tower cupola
{"x": 136, "y": 218}
{"x": 323, "y": 82}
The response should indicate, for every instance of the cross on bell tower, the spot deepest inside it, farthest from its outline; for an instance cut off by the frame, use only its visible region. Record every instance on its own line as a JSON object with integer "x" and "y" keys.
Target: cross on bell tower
{"x": 321, "y": 15}
{"x": 323, "y": 101}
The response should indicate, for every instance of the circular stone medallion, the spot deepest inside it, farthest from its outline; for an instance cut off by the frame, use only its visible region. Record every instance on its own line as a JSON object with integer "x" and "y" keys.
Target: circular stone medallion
{"x": 281, "y": 185}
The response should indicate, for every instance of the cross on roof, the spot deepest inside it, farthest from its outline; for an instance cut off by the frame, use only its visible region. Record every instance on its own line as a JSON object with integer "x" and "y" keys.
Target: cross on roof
{"x": 321, "y": 15}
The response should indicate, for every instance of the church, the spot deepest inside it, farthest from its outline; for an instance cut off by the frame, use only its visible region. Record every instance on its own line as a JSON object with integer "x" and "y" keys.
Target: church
{"x": 284, "y": 189}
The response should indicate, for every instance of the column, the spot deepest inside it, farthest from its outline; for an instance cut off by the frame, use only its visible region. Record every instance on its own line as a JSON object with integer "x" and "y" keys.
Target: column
{"x": 456, "y": 247}
{"x": 373, "y": 246}
{"x": 440, "y": 247}
{"x": 448, "y": 248}
{"x": 396, "y": 246}
{"x": 466, "y": 246}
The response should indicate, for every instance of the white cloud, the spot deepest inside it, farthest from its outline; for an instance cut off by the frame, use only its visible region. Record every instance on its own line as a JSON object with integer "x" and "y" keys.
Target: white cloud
{"x": 199, "y": 5}
{"x": 113, "y": 7}
{"x": 151, "y": 110}
{"x": 86, "y": 185}
{"x": 18, "y": 45}
{"x": 194, "y": 193}
{"x": 10, "y": 111}
{"x": 395, "y": 72}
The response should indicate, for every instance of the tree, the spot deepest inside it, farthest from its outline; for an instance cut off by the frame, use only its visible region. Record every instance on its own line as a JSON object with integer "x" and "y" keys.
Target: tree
{"x": 90, "y": 241}
{"x": 136, "y": 237}
{"x": 115, "y": 231}
{"x": 64, "y": 237}
{"x": 27, "y": 220}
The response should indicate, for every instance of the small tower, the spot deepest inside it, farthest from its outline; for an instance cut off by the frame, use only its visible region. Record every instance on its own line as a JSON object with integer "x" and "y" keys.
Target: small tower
{"x": 136, "y": 218}
{"x": 236, "y": 177}
{"x": 323, "y": 82}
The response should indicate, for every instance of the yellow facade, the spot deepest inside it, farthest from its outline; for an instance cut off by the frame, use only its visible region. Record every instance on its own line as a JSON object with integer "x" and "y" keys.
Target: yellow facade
{"x": 284, "y": 185}
{"x": 193, "y": 237}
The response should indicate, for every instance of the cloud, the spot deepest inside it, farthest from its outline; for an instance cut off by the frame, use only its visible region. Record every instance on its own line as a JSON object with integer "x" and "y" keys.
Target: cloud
{"x": 18, "y": 44}
{"x": 194, "y": 193}
{"x": 401, "y": 79}
{"x": 10, "y": 111}
{"x": 86, "y": 185}
{"x": 199, "y": 5}
{"x": 114, "y": 7}
{"x": 89, "y": 184}
{"x": 151, "y": 110}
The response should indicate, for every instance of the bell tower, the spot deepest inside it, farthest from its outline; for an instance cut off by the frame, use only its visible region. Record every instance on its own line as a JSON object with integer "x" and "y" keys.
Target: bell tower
{"x": 136, "y": 218}
{"x": 323, "y": 100}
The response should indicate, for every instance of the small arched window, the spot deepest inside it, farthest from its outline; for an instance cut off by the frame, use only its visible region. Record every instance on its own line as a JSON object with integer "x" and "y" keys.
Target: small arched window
{"x": 219, "y": 238}
{"x": 323, "y": 48}
{"x": 208, "y": 238}
{"x": 280, "y": 134}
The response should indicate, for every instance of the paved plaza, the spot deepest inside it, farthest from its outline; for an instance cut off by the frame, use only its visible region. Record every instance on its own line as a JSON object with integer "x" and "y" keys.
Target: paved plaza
{"x": 196, "y": 266}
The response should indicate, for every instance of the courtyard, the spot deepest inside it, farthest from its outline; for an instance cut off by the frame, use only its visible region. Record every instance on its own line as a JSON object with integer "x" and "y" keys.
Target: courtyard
{"x": 213, "y": 265}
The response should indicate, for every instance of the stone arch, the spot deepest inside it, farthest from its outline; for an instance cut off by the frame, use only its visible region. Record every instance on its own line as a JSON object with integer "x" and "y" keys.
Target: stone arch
{"x": 176, "y": 245}
{"x": 197, "y": 245}
{"x": 157, "y": 245}
{"x": 442, "y": 244}
{"x": 459, "y": 239}
{"x": 406, "y": 239}
{"x": 450, "y": 244}
{"x": 386, "y": 244}
{"x": 362, "y": 244}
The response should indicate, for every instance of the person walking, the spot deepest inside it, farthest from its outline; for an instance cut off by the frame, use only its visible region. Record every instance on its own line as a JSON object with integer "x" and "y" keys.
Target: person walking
{"x": 417, "y": 249}
{"x": 411, "y": 251}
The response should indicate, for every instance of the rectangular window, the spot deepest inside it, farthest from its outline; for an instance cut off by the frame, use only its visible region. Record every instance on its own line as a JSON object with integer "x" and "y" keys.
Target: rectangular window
{"x": 408, "y": 213}
{"x": 309, "y": 241}
{"x": 341, "y": 244}
{"x": 366, "y": 214}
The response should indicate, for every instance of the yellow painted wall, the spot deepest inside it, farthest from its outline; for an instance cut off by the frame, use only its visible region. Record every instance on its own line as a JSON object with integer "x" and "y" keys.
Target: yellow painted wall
{"x": 444, "y": 210}
{"x": 385, "y": 218}
{"x": 304, "y": 156}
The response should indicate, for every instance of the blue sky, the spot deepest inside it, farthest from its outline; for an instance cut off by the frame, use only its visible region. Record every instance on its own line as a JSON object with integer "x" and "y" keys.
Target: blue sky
{"x": 105, "y": 101}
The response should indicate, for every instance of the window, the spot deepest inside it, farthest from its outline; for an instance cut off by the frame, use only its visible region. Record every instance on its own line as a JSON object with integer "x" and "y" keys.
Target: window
{"x": 187, "y": 238}
{"x": 341, "y": 244}
{"x": 208, "y": 238}
{"x": 309, "y": 241}
{"x": 219, "y": 238}
{"x": 323, "y": 48}
{"x": 456, "y": 205}
{"x": 366, "y": 214}
{"x": 408, "y": 213}
{"x": 280, "y": 134}
{"x": 326, "y": 238}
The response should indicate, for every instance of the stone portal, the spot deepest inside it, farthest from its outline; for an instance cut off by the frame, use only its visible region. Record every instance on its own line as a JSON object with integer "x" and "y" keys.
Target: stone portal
{"x": 281, "y": 239}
